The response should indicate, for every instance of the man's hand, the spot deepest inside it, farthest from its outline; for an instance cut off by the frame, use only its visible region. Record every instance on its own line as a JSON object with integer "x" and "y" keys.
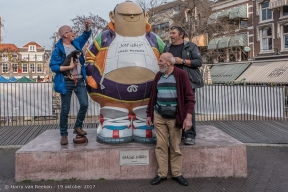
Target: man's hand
{"x": 178, "y": 61}
{"x": 187, "y": 124}
{"x": 88, "y": 23}
{"x": 149, "y": 122}
{"x": 72, "y": 64}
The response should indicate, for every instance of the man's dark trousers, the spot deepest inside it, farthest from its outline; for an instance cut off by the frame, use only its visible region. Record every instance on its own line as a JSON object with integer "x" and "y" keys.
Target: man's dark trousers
{"x": 81, "y": 93}
{"x": 191, "y": 133}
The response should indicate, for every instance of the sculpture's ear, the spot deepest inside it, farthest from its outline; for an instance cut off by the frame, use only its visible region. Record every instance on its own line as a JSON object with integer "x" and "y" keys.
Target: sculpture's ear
{"x": 112, "y": 15}
{"x": 146, "y": 17}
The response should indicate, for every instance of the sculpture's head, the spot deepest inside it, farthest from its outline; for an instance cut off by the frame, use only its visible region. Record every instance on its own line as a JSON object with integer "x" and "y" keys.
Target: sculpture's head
{"x": 129, "y": 19}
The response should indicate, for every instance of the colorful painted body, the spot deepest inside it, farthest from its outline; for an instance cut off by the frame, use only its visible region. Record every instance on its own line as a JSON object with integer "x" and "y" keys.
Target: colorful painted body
{"x": 120, "y": 69}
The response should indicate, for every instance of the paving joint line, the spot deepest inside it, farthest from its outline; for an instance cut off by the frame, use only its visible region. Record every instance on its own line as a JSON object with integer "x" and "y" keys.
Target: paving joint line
{"x": 10, "y": 146}
{"x": 265, "y": 145}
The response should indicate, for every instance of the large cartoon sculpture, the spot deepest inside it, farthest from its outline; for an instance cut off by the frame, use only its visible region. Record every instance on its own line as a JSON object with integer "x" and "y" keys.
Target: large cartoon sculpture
{"x": 122, "y": 63}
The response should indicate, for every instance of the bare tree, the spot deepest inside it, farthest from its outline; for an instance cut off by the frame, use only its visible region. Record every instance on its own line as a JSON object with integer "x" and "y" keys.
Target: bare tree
{"x": 196, "y": 18}
{"x": 150, "y": 6}
{"x": 98, "y": 25}
{"x": 1, "y": 26}
{"x": 192, "y": 16}
{"x": 55, "y": 37}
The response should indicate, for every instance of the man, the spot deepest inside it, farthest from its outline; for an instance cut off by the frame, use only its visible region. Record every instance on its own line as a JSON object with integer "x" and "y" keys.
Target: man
{"x": 188, "y": 58}
{"x": 171, "y": 88}
{"x": 63, "y": 84}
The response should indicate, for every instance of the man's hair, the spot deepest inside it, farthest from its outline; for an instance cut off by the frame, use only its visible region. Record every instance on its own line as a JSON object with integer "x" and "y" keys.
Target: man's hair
{"x": 171, "y": 59}
{"x": 62, "y": 30}
{"x": 179, "y": 29}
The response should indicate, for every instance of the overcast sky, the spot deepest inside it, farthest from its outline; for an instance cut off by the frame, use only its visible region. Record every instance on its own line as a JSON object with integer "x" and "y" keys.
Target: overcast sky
{"x": 37, "y": 20}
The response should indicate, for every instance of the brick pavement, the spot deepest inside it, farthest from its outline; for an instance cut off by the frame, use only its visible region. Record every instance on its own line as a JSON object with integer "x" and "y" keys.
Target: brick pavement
{"x": 267, "y": 172}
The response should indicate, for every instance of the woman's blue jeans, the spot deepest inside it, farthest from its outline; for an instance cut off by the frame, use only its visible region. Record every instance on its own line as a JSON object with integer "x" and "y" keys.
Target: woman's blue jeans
{"x": 81, "y": 93}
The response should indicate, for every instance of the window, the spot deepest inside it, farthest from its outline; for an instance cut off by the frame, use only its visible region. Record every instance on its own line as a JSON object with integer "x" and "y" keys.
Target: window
{"x": 25, "y": 57}
{"x": 4, "y": 67}
{"x": 15, "y": 68}
{"x": 155, "y": 28}
{"x": 285, "y": 10}
{"x": 267, "y": 38}
{"x": 39, "y": 67}
{"x": 243, "y": 23}
{"x": 39, "y": 57}
{"x": 24, "y": 68}
{"x": 161, "y": 29}
{"x": 285, "y": 37}
{"x": 266, "y": 12}
{"x": 32, "y": 67}
{"x": 32, "y": 48}
{"x": 4, "y": 57}
{"x": 32, "y": 57}
{"x": 14, "y": 55}
{"x": 164, "y": 27}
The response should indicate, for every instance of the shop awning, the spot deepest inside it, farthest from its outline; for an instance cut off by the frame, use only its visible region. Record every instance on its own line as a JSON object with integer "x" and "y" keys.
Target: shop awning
{"x": 213, "y": 43}
{"x": 239, "y": 40}
{"x": 12, "y": 79}
{"x": 3, "y": 79}
{"x": 228, "y": 72}
{"x": 224, "y": 42}
{"x": 23, "y": 80}
{"x": 238, "y": 12}
{"x": 212, "y": 18}
{"x": 200, "y": 40}
{"x": 277, "y": 3}
{"x": 224, "y": 13}
{"x": 266, "y": 72}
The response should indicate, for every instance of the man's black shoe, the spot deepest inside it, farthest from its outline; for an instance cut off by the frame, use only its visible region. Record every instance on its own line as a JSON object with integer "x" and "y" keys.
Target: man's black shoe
{"x": 158, "y": 180}
{"x": 189, "y": 141}
{"x": 181, "y": 180}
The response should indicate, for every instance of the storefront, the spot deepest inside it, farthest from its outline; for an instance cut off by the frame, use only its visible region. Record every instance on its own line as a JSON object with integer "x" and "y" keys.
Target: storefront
{"x": 227, "y": 72}
{"x": 266, "y": 72}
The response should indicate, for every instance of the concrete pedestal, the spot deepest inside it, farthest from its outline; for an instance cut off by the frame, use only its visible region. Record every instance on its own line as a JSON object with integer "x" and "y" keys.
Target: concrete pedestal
{"x": 214, "y": 154}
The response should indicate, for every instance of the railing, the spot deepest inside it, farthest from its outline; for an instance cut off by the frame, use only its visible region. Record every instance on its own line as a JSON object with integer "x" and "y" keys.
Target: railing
{"x": 37, "y": 104}
{"x": 241, "y": 103}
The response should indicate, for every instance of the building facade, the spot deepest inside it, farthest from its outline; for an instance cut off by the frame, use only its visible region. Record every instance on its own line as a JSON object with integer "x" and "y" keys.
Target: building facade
{"x": 270, "y": 26}
{"x": 190, "y": 15}
{"x": 9, "y": 57}
{"x": 34, "y": 62}
{"x": 232, "y": 24}
{"x": 256, "y": 49}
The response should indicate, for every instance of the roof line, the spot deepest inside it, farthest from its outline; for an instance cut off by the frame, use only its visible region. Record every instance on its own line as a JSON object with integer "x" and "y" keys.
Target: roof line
{"x": 32, "y": 42}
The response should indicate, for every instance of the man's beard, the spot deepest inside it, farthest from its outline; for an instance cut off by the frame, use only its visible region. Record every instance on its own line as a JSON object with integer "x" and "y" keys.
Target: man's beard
{"x": 164, "y": 69}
